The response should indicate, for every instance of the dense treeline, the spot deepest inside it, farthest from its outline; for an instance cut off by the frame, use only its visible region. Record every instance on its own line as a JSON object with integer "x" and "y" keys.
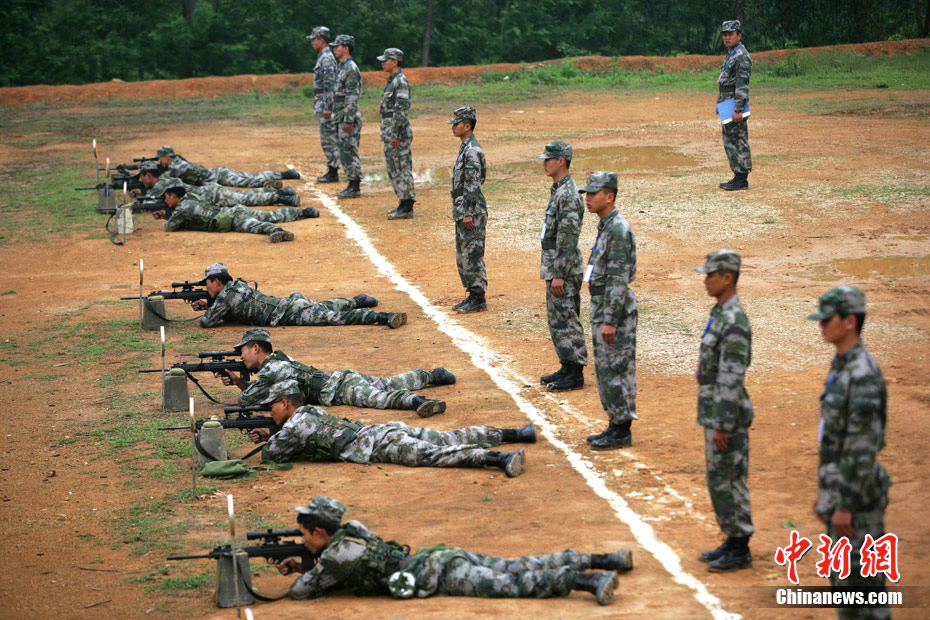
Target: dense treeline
{"x": 79, "y": 41}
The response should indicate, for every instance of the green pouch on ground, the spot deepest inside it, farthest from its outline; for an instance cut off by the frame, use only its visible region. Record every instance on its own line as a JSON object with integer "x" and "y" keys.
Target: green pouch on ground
{"x": 221, "y": 222}
{"x": 225, "y": 469}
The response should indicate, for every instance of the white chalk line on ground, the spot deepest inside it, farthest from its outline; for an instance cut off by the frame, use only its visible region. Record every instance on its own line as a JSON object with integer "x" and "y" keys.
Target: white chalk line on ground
{"x": 500, "y": 372}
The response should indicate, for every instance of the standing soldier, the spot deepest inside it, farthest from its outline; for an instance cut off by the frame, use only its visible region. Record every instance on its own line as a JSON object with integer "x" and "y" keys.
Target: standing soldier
{"x": 852, "y": 485}
{"x": 346, "y": 114}
{"x": 396, "y": 133}
{"x": 733, "y": 84}
{"x": 561, "y": 269}
{"x": 611, "y": 269}
{"x": 324, "y": 82}
{"x": 469, "y": 211}
{"x": 725, "y": 411}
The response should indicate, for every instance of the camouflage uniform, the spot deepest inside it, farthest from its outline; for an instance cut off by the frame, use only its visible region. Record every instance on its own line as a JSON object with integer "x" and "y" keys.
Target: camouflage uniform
{"x": 193, "y": 174}
{"x": 733, "y": 83}
{"x": 440, "y": 570}
{"x": 324, "y": 83}
{"x": 347, "y": 91}
{"x": 467, "y": 200}
{"x": 723, "y": 404}
{"x": 345, "y": 387}
{"x": 196, "y": 213}
{"x": 240, "y": 303}
{"x": 395, "y": 125}
{"x": 217, "y": 194}
{"x": 853, "y": 417}
{"x": 613, "y": 268}
{"x": 561, "y": 258}
{"x": 315, "y": 435}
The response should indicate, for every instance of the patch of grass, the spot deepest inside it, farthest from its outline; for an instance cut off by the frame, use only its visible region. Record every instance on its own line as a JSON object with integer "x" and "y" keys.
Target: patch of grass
{"x": 7, "y": 293}
{"x": 191, "y": 582}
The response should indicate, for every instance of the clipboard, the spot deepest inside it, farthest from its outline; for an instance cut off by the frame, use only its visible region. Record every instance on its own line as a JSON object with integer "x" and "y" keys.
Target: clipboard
{"x": 726, "y": 108}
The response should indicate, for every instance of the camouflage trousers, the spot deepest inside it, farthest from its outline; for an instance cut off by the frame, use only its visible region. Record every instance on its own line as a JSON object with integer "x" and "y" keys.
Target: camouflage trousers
{"x": 348, "y": 150}
{"x": 469, "y": 254}
{"x": 350, "y": 387}
{"x": 455, "y": 572}
{"x": 615, "y": 366}
{"x": 225, "y": 197}
{"x": 329, "y": 140}
{"x": 564, "y": 323}
{"x": 727, "y": 471}
{"x": 399, "y": 164}
{"x": 736, "y": 145}
{"x": 338, "y": 311}
{"x": 236, "y": 178}
{"x": 248, "y": 220}
{"x": 396, "y": 442}
{"x": 865, "y": 522}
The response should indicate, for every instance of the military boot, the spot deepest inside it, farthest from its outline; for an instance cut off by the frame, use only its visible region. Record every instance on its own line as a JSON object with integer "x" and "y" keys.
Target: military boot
{"x": 621, "y": 561}
{"x": 286, "y": 191}
{"x": 601, "y": 585}
{"x": 365, "y": 301}
{"x": 527, "y": 434}
{"x": 572, "y": 379}
{"x": 288, "y": 200}
{"x": 719, "y": 552}
{"x": 404, "y": 210}
{"x": 392, "y": 319}
{"x": 279, "y": 234}
{"x": 736, "y": 557}
{"x": 462, "y": 303}
{"x": 616, "y": 436}
{"x": 441, "y": 376}
{"x": 724, "y": 184}
{"x": 331, "y": 176}
{"x": 475, "y": 302}
{"x": 547, "y": 379}
{"x": 309, "y": 212}
{"x": 352, "y": 190}
{"x": 427, "y": 408}
{"x": 290, "y": 175}
{"x": 738, "y": 182}
{"x": 510, "y": 462}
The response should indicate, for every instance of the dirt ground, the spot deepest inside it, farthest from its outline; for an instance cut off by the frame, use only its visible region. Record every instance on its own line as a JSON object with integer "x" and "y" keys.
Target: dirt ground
{"x": 835, "y": 199}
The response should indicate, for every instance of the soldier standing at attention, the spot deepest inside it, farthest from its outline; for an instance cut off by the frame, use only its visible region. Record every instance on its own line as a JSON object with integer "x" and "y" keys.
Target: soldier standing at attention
{"x": 352, "y": 556}
{"x": 324, "y": 83}
{"x": 852, "y": 486}
{"x": 614, "y": 314}
{"x": 469, "y": 211}
{"x": 733, "y": 83}
{"x": 725, "y": 411}
{"x": 347, "y": 115}
{"x": 396, "y": 133}
{"x": 562, "y": 269}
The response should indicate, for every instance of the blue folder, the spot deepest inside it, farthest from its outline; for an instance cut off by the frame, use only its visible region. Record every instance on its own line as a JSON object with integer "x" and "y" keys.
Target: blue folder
{"x": 725, "y": 110}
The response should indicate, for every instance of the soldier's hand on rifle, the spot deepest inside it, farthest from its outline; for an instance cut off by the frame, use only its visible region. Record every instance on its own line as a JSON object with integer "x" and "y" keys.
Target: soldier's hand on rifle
{"x": 134, "y": 192}
{"x": 608, "y": 333}
{"x": 259, "y": 435}
{"x": 288, "y": 566}
{"x": 199, "y": 304}
{"x": 327, "y": 114}
{"x": 231, "y": 378}
{"x": 159, "y": 215}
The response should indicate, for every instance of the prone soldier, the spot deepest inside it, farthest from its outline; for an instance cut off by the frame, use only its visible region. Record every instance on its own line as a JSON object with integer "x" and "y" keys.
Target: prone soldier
{"x": 344, "y": 387}
{"x": 324, "y": 83}
{"x": 234, "y": 300}
{"x": 614, "y": 314}
{"x": 396, "y": 133}
{"x": 352, "y": 556}
{"x": 347, "y": 115}
{"x": 179, "y": 167}
{"x": 155, "y": 183}
{"x": 733, "y": 83}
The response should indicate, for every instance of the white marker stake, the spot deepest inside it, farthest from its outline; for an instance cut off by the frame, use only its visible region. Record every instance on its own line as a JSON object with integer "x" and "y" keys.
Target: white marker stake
{"x": 235, "y": 558}
{"x": 248, "y": 614}
{"x": 96, "y": 162}
{"x": 107, "y": 177}
{"x": 163, "y": 376}
{"x": 193, "y": 452}
{"x": 141, "y": 299}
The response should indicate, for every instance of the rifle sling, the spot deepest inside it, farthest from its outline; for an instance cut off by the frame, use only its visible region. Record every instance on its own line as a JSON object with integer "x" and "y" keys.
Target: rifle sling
{"x": 253, "y": 452}
{"x": 265, "y": 599}
{"x": 203, "y": 450}
{"x": 205, "y": 393}
{"x": 155, "y": 311}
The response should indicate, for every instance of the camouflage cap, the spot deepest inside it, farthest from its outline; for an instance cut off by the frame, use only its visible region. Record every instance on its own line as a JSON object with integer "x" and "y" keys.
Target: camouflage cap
{"x": 215, "y": 269}
{"x": 320, "y": 32}
{"x": 281, "y": 389}
{"x": 150, "y": 167}
{"x": 257, "y": 334}
{"x": 325, "y": 507}
{"x": 731, "y": 25}
{"x": 165, "y": 150}
{"x": 465, "y": 113}
{"x": 600, "y": 180}
{"x": 344, "y": 39}
{"x": 391, "y": 53}
{"x": 557, "y": 149}
{"x": 844, "y": 300}
{"x": 721, "y": 260}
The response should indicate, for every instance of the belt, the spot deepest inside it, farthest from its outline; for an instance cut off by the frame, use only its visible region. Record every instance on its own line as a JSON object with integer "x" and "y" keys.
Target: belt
{"x": 387, "y": 115}
{"x": 596, "y": 290}
{"x": 549, "y": 244}
{"x": 727, "y": 89}
{"x": 316, "y": 385}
